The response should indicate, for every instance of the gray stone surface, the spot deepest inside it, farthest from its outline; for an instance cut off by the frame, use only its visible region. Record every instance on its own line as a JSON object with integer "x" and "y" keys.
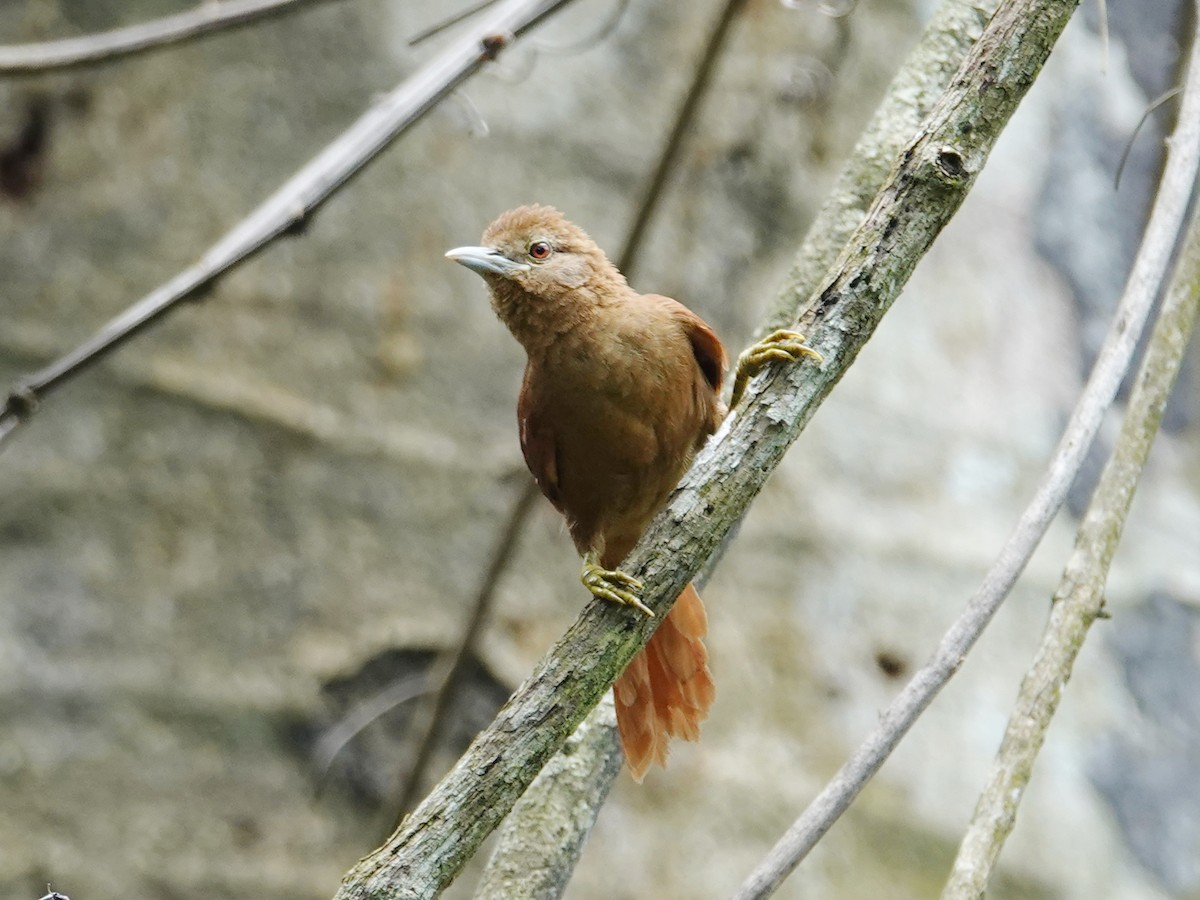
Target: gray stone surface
{"x": 212, "y": 540}
{"x": 1148, "y": 773}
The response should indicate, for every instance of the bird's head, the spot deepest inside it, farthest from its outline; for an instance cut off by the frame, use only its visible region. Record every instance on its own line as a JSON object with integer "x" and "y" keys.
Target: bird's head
{"x": 539, "y": 264}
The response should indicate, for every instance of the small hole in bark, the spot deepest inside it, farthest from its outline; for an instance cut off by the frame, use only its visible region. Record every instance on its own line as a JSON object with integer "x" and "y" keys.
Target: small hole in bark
{"x": 951, "y": 162}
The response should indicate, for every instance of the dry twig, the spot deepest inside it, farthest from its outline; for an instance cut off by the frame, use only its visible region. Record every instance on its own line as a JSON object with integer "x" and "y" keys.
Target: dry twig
{"x": 289, "y": 209}
{"x": 449, "y": 22}
{"x": 1079, "y": 600}
{"x": 428, "y": 718}
{"x": 205, "y": 19}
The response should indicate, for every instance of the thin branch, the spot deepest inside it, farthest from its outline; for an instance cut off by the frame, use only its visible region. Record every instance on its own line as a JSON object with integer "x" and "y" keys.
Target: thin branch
{"x": 675, "y": 138}
{"x": 1111, "y": 366}
{"x": 208, "y": 17}
{"x": 1079, "y": 600}
{"x": 289, "y": 209}
{"x": 926, "y": 187}
{"x": 428, "y": 718}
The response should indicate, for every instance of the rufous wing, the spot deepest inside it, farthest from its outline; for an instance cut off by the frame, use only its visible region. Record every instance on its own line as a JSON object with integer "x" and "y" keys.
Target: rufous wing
{"x": 706, "y": 346}
{"x": 538, "y": 445}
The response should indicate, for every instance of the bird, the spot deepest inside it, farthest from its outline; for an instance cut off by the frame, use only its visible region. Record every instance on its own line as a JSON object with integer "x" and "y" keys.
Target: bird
{"x": 620, "y": 391}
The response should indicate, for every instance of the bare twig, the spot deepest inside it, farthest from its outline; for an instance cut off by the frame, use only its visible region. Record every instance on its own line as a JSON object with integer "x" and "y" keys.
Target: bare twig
{"x": 206, "y": 18}
{"x": 290, "y": 207}
{"x": 1079, "y": 600}
{"x": 428, "y": 718}
{"x": 1111, "y": 366}
{"x": 607, "y": 27}
{"x": 675, "y": 138}
{"x": 928, "y": 183}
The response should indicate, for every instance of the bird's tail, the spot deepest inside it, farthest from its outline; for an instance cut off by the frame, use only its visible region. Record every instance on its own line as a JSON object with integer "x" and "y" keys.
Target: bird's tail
{"x": 667, "y": 689}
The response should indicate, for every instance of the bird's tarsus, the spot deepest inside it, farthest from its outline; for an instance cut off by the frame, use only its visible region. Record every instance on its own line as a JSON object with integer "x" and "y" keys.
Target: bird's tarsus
{"x": 612, "y": 585}
{"x": 778, "y": 346}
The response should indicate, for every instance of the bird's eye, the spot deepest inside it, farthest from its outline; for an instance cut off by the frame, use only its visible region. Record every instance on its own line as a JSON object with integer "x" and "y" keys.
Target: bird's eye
{"x": 539, "y": 250}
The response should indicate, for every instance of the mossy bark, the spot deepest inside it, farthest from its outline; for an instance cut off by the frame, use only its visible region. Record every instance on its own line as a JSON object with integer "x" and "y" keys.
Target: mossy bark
{"x": 556, "y": 814}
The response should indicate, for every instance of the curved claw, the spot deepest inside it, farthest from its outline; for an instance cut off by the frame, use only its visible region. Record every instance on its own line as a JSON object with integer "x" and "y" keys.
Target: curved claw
{"x": 779, "y": 346}
{"x": 613, "y": 585}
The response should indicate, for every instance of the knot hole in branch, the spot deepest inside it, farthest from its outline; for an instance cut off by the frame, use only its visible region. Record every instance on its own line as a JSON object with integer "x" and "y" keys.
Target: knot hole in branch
{"x": 951, "y": 164}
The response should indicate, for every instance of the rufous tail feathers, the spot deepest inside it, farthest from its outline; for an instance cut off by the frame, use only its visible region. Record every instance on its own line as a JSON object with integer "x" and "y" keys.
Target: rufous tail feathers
{"x": 667, "y": 689}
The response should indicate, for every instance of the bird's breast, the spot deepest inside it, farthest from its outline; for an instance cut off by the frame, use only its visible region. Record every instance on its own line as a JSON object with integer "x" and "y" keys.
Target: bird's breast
{"x": 622, "y": 405}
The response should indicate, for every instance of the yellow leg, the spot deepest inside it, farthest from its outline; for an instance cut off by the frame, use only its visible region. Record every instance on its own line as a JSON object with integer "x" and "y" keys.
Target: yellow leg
{"x": 779, "y": 346}
{"x": 612, "y": 585}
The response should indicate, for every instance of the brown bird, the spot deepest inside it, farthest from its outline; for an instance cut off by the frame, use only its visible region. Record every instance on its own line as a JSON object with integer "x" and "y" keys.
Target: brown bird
{"x": 620, "y": 391}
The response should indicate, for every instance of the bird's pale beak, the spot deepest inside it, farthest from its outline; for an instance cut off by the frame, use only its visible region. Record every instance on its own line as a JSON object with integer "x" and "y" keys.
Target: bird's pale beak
{"x": 486, "y": 261}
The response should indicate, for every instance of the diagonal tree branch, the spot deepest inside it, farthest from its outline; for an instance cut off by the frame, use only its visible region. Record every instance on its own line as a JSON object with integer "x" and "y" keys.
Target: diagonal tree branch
{"x": 1079, "y": 600}
{"x": 288, "y": 210}
{"x": 944, "y": 44}
{"x": 450, "y": 21}
{"x": 1113, "y": 362}
{"x": 207, "y": 18}
{"x": 926, "y": 187}
{"x": 556, "y": 814}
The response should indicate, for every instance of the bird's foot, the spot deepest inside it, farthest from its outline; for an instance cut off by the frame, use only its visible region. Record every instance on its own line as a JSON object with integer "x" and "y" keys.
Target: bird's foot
{"x": 778, "y": 346}
{"x": 612, "y": 585}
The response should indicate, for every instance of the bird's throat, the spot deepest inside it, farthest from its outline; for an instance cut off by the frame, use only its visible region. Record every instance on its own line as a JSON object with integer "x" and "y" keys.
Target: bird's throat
{"x": 538, "y": 321}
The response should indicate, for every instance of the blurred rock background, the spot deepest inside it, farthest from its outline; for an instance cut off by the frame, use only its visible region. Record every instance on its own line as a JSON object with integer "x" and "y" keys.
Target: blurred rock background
{"x": 281, "y": 501}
